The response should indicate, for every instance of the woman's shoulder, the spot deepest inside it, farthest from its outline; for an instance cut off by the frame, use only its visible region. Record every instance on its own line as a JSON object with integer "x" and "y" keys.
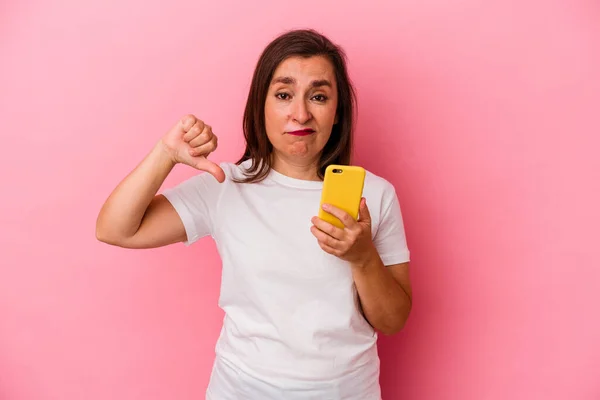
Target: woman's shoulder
{"x": 382, "y": 199}
{"x": 377, "y": 184}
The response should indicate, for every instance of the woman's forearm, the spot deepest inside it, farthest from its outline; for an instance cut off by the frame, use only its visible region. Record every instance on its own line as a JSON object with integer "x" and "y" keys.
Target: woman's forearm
{"x": 385, "y": 303}
{"x": 124, "y": 209}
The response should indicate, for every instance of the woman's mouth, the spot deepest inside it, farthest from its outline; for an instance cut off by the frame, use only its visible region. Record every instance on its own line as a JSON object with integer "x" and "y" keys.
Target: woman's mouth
{"x": 302, "y": 132}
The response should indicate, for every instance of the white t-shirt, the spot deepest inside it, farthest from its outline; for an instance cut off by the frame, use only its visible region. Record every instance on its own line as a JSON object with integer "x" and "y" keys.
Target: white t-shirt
{"x": 293, "y": 328}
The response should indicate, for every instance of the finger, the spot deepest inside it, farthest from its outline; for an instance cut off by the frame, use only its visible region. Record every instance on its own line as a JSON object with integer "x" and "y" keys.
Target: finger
{"x": 327, "y": 228}
{"x": 325, "y": 238}
{"x": 187, "y": 122}
{"x": 329, "y": 249}
{"x": 203, "y": 150}
{"x": 204, "y": 137}
{"x": 215, "y": 170}
{"x": 194, "y": 131}
{"x": 363, "y": 212}
{"x": 342, "y": 215}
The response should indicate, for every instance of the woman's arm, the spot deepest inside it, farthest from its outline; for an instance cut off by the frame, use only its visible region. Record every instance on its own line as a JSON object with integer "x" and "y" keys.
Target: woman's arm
{"x": 385, "y": 292}
{"x": 133, "y": 216}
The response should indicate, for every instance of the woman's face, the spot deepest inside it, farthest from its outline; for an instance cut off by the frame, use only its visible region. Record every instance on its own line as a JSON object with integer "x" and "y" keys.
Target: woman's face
{"x": 300, "y": 109}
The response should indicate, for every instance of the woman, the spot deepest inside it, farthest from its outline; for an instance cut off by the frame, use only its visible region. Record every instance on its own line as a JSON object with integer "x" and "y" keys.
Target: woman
{"x": 302, "y": 299}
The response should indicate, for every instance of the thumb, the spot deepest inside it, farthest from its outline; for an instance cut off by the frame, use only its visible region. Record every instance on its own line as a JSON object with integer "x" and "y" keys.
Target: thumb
{"x": 215, "y": 170}
{"x": 363, "y": 211}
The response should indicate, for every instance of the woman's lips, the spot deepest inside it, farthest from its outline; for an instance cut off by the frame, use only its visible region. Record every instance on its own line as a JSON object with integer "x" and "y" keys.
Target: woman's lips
{"x": 302, "y": 132}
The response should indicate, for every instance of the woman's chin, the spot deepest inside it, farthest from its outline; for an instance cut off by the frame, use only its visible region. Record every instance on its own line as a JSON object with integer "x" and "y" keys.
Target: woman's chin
{"x": 299, "y": 148}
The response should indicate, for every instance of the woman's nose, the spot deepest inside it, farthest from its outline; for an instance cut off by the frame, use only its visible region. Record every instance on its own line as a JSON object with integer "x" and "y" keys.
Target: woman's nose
{"x": 300, "y": 112}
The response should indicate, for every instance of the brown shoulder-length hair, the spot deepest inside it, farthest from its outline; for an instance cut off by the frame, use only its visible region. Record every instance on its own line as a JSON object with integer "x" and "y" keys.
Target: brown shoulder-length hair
{"x": 304, "y": 43}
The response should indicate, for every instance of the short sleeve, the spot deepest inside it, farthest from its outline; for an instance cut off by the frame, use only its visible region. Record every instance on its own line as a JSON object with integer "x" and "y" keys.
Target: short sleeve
{"x": 390, "y": 238}
{"x": 195, "y": 200}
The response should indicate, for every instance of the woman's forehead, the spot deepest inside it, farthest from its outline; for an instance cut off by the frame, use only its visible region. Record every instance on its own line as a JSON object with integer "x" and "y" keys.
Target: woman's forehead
{"x": 296, "y": 70}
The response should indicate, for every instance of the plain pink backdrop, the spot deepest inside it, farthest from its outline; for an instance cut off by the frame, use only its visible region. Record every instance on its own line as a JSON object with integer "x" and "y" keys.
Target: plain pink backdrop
{"x": 484, "y": 115}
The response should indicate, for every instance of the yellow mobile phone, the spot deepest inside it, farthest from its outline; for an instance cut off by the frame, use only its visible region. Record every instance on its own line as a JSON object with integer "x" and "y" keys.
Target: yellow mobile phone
{"x": 342, "y": 188}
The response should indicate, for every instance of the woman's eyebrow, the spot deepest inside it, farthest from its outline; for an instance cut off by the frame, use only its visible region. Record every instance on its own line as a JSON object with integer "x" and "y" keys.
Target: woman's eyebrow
{"x": 288, "y": 80}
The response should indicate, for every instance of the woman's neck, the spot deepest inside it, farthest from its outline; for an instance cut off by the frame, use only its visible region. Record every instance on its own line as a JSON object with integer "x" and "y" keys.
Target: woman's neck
{"x": 298, "y": 169}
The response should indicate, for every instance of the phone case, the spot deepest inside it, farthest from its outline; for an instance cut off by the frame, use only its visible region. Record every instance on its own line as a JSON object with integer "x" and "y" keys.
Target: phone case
{"x": 343, "y": 188}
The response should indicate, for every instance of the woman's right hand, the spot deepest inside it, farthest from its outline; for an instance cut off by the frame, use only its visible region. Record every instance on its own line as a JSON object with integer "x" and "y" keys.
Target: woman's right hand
{"x": 189, "y": 142}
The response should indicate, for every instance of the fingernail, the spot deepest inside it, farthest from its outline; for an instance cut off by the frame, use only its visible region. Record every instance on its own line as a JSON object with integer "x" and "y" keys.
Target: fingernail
{"x": 325, "y": 207}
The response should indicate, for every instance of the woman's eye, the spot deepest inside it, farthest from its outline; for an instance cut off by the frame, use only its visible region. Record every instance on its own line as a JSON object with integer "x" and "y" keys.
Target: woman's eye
{"x": 320, "y": 98}
{"x": 282, "y": 96}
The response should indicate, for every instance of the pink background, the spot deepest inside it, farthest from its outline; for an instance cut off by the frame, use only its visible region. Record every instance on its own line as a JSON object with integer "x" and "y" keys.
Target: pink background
{"x": 485, "y": 115}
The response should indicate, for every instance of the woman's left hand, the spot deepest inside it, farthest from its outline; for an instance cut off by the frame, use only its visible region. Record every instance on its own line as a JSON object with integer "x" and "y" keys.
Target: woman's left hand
{"x": 353, "y": 243}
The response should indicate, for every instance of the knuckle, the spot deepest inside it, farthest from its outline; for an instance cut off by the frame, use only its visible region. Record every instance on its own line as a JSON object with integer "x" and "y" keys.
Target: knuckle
{"x": 203, "y": 137}
{"x": 189, "y": 118}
